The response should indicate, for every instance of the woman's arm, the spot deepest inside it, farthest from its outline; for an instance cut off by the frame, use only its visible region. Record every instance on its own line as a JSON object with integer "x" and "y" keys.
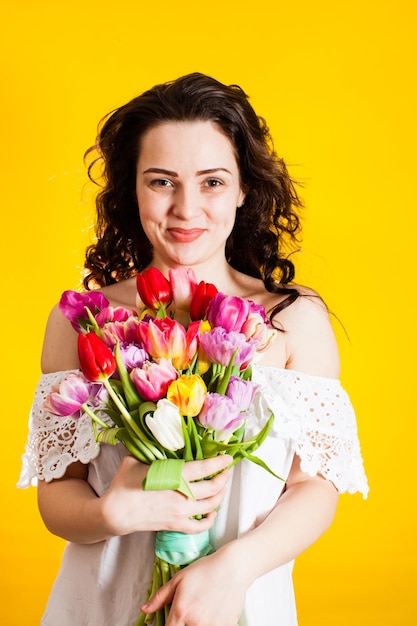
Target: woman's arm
{"x": 70, "y": 508}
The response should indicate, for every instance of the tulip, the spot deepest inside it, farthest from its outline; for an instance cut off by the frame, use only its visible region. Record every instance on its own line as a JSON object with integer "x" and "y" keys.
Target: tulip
{"x": 154, "y": 289}
{"x": 112, "y": 314}
{"x": 202, "y": 297}
{"x": 183, "y": 285}
{"x": 228, "y": 312}
{"x": 96, "y": 359}
{"x": 166, "y": 425}
{"x": 68, "y": 397}
{"x": 124, "y": 332}
{"x": 221, "y": 416}
{"x": 220, "y": 345}
{"x": 188, "y": 394}
{"x": 259, "y": 330}
{"x": 153, "y": 379}
{"x": 241, "y": 392}
{"x": 73, "y": 306}
{"x": 163, "y": 338}
{"x": 133, "y": 356}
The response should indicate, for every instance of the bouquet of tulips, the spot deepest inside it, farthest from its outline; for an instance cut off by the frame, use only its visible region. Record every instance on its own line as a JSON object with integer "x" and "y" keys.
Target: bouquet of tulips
{"x": 172, "y": 382}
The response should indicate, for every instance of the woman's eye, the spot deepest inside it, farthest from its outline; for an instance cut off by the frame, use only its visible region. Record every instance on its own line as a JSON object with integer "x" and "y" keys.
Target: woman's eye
{"x": 161, "y": 182}
{"x": 214, "y": 182}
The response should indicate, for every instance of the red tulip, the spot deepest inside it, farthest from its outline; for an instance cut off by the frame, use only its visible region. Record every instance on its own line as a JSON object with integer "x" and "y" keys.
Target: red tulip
{"x": 201, "y": 299}
{"x": 96, "y": 359}
{"x": 153, "y": 288}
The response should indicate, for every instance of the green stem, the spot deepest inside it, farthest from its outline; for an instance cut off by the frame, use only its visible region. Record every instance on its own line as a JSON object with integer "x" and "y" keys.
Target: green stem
{"x": 123, "y": 411}
{"x": 93, "y": 416}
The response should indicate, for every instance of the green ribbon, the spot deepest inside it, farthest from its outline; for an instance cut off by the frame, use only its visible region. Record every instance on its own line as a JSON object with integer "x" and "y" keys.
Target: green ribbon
{"x": 180, "y": 548}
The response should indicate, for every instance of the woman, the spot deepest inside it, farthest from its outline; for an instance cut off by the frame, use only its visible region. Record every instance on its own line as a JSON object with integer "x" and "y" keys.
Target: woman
{"x": 191, "y": 180}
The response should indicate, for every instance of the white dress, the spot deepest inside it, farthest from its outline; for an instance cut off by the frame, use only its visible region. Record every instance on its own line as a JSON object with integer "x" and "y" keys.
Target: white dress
{"x": 103, "y": 584}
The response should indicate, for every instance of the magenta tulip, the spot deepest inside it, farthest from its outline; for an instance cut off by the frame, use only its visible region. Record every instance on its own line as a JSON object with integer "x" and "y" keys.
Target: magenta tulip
{"x": 73, "y": 306}
{"x": 228, "y": 312}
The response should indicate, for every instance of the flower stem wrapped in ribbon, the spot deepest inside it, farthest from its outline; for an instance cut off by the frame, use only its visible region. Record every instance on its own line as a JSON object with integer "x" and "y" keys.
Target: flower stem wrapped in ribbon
{"x": 171, "y": 382}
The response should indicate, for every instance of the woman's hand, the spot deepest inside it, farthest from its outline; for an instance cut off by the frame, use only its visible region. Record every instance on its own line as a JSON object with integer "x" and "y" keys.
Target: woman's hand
{"x": 127, "y": 508}
{"x": 209, "y": 591}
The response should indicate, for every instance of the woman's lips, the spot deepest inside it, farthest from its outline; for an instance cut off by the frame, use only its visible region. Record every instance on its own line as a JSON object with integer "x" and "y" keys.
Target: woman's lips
{"x": 185, "y": 235}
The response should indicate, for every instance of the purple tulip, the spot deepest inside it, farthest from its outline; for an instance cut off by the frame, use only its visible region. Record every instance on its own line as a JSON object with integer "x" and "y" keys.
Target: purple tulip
{"x": 73, "y": 305}
{"x": 220, "y": 415}
{"x": 133, "y": 356}
{"x": 241, "y": 392}
{"x": 68, "y": 397}
{"x": 219, "y": 346}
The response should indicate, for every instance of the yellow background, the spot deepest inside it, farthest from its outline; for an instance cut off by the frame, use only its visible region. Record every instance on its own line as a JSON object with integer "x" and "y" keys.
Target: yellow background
{"x": 336, "y": 81}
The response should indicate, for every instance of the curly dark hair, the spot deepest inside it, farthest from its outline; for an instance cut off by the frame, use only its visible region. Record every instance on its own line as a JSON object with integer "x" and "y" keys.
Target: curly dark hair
{"x": 266, "y": 226}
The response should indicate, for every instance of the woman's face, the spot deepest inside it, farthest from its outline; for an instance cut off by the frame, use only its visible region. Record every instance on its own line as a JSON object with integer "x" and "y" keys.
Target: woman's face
{"x": 188, "y": 189}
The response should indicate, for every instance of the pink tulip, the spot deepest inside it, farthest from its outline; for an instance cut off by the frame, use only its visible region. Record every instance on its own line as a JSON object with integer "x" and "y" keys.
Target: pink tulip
{"x": 153, "y": 379}
{"x": 221, "y": 416}
{"x": 68, "y": 397}
{"x": 112, "y": 314}
{"x": 124, "y": 332}
{"x": 163, "y": 338}
{"x": 183, "y": 285}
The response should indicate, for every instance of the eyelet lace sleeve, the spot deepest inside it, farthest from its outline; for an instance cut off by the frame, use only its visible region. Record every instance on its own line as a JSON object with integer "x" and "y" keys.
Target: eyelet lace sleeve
{"x": 54, "y": 442}
{"x": 315, "y": 413}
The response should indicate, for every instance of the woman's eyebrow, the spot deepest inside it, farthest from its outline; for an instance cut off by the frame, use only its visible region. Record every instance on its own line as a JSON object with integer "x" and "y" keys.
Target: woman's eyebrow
{"x": 212, "y": 170}
{"x": 158, "y": 170}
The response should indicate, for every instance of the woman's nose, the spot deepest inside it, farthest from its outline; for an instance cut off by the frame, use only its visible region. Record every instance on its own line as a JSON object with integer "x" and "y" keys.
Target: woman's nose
{"x": 186, "y": 203}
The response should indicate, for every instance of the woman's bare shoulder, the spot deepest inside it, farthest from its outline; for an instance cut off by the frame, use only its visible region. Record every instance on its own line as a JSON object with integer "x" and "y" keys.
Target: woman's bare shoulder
{"x": 59, "y": 351}
{"x": 306, "y": 336}
{"x": 122, "y": 293}
{"x": 310, "y": 339}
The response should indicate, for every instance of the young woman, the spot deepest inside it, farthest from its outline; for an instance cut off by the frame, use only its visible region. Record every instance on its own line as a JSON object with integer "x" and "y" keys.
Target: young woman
{"x": 190, "y": 179}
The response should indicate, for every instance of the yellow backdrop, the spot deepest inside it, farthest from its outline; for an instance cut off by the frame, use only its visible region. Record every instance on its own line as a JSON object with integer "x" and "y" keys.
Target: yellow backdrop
{"x": 336, "y": 81}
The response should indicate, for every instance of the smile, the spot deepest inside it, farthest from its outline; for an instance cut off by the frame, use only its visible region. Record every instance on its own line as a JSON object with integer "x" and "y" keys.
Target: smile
{"x": 185, "y": 235}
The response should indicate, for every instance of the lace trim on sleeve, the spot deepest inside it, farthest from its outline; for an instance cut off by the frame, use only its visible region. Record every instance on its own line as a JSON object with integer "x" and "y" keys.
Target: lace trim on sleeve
{"x": 316, "y": 414}
{"x": 54, "y": 442}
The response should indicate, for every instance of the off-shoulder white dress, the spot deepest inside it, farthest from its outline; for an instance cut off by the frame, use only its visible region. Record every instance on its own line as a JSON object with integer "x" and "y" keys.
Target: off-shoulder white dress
{"x": 103, "y": 584}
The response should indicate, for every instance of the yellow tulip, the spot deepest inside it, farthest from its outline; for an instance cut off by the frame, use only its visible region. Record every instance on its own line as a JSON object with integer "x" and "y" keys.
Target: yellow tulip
{"x": 188, "y": 393}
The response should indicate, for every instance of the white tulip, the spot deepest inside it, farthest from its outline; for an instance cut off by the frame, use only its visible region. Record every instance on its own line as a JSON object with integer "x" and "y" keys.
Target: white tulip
{"x": 166, "y": 425}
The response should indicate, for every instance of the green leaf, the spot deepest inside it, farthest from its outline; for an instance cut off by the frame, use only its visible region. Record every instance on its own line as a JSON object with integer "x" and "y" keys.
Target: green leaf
{"x": 188, "y": 452}
{"x": 195, "y": 439}
{"x": 258, "y": 461}
{"x": 167, "y": 474}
